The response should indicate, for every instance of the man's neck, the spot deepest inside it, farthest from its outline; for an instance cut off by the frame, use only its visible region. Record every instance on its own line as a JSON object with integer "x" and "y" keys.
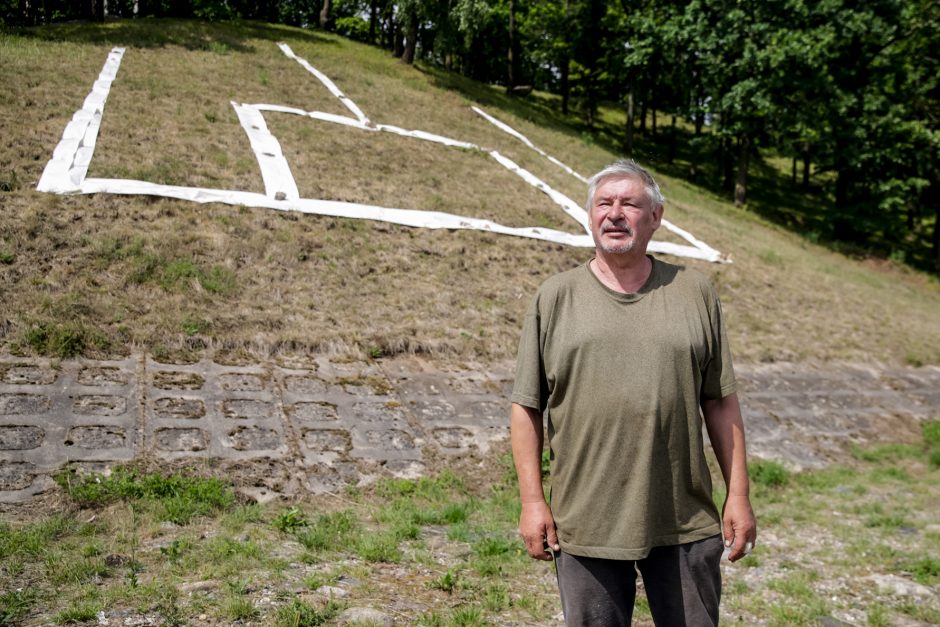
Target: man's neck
{"x": 622, "y": 273}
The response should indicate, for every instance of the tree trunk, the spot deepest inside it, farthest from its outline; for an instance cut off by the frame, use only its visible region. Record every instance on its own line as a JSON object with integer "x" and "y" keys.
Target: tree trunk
{"x": 699, "y": 117}
{"x": 411, "y": 39}
{"x": 740, "y": 185}
{"x": 565, "y": 87}
{"x": 643, "y": 118}
{"x": 325, "y": 14}
{"x": 398, "y": 41}
{"x": 512, "y": 69}
{"x": 936, "y": 238}
{"x": 653, "y": 128}
{"x": 806, "y": 163}
{"x": 673, "y": 139}
{"x": 628, "y": 136}
{"x": 793, "y": 173}
{"x": 373, "y": 19}
{"x": 564, "y": 64}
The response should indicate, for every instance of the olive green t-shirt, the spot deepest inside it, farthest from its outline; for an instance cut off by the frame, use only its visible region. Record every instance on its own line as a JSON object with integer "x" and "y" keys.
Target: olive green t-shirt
{"x": 621, "y": 378}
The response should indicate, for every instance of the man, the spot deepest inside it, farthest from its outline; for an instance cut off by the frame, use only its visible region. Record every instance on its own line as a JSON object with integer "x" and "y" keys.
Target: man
{"x": 626, "y": 355}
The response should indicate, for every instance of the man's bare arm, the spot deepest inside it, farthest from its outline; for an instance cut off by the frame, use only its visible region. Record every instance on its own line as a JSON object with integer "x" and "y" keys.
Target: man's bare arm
{"x": 536, "y": 523}
{"x": 726, "y": 431}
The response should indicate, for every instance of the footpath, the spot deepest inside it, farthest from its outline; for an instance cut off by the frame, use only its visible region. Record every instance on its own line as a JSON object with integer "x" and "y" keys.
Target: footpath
{"x": 285, "y": 428}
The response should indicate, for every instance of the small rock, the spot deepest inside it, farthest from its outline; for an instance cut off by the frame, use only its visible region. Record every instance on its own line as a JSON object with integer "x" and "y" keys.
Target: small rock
{"x": 280, "y": 196}
{"x": 365, "y": 615}
{"x": 116, "y": 560}
{"x": 897, "y": 586}
{"x": 197, "y": 586}
{"x": 333, "y": 591}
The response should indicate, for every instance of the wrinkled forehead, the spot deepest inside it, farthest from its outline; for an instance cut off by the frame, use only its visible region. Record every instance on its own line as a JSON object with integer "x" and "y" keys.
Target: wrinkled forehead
{"x": 618, "y": 185}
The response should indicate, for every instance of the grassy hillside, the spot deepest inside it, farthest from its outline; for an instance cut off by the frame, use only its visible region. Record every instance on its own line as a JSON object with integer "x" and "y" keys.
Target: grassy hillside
{"x": 104, "y": 274}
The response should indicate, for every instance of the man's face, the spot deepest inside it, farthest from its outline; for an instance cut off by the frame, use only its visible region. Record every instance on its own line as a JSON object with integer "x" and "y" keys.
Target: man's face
{"x": 621, "y": 217}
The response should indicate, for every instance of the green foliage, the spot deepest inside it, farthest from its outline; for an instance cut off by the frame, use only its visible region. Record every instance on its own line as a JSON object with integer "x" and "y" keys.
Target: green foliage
{"x": 353, "y": 27}
{"x": 931, "y": 433}
{"x": 446, "y": 582}
{"x": 78, "y": 613}
{"x": 332, "y": 531}
{"x": 15, "y": 604}
{"x": 769, "y": 474}
{"x": 290, "y": 520}
{"x": 379, "y": 547}
{"x": 7, "y": 257}
{"x": 925, "y": 570}
{"x": 63, "y": 340}
{"x": 176, "y": 498}
{"x": 300, "y": 614}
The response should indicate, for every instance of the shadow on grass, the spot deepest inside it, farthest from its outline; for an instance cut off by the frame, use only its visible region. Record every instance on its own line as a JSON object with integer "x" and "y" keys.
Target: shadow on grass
{"x": 160, "y": 32}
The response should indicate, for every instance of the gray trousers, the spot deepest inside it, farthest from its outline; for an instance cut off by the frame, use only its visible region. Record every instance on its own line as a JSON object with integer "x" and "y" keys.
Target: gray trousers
{"x": 683, "y": 586}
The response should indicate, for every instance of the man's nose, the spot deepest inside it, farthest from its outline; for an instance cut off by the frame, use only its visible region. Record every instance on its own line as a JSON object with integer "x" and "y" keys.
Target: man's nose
{"x": 616, "y": 210}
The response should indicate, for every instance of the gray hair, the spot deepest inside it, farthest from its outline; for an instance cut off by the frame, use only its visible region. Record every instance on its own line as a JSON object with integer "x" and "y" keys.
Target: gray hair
{"x": 626, "y": 169}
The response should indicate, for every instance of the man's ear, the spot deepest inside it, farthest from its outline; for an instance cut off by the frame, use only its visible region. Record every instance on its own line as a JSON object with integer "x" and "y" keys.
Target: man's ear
{"x": 657, "y": 216}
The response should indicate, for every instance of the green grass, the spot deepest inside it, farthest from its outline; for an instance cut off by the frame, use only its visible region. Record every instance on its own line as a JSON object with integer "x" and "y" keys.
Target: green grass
{"x": 174, "y": 498}
{"x": 452, "y": 549}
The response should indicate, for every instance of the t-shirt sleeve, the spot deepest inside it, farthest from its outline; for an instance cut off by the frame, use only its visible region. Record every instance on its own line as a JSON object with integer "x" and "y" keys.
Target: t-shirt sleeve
{"x": 529, "y": 388}
{"x": 718, "y": 378}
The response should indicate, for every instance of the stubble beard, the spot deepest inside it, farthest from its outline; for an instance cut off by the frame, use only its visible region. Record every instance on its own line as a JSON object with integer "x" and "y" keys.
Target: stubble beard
{"x": 616, "y": 248}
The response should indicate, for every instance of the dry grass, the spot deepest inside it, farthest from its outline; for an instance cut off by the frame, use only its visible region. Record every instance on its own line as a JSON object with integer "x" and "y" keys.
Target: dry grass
{"x": 105, "y": 274}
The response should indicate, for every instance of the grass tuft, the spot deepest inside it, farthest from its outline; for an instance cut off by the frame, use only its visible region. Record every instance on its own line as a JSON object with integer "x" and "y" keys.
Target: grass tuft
{"x": 175, "y": 498}
{"x": 769, "y": 474}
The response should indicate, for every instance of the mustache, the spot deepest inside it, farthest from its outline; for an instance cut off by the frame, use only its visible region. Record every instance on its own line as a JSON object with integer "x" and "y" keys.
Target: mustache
{"x": 617, "y": 226}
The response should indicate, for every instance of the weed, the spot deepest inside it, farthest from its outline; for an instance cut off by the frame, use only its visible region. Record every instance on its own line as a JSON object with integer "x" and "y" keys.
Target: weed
{"x": 446, "y": 582}
{"x": 925, "y": 570}
{"x": 331, "y": 531}
{"x": 193, "y": 326}
{"x": 290, "y": 520}
{"x": 931, "y": 433}
{"x": 315, "y": 581}
{"x": 470, "y": 616}
{"x": 175, "y": 498}
{"x": 886, "y": 453}
{"x": 379, "y": 547}
{"x": 7, "y": 257}
{"x": 926, "y": 614}
{"x": 176, "y": 549}
{"x": 240, "y": 608}
{"x": 78, "y": 613}
{"x": 769, "y": 474}
{"x": 64, "y": 340}
{"x": 496, "y": 598}
{"x": 300, "y": 614}
{"x": 217, "y": 280}
{"x": 15, "y": 604}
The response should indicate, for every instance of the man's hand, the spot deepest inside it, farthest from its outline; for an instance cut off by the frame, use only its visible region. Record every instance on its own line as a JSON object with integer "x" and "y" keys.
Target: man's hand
{"x": 739, "y": 525}
{"x": 537, "y": 527}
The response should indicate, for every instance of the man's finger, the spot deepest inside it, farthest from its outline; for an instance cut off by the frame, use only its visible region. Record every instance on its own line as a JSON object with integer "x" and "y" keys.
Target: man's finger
{"x": 551, "y": 538}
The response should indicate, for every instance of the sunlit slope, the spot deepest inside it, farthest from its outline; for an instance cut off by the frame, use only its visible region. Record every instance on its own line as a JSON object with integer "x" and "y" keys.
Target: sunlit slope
{"x": 105, "y": 274}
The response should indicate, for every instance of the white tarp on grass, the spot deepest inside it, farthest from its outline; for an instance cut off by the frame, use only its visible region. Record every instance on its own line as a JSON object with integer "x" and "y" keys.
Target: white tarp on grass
{"x": 67, "y": 169}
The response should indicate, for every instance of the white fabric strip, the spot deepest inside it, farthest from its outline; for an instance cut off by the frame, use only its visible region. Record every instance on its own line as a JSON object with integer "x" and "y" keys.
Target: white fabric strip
{"x": 710, "y": 252}
{"x": 326, "y": 83}
{"x": 67, "y": 169}
{"x": 278, "y": 180}
{"x": 569, "y": 206}
{"x": 405, "y": 217}
{"x": 69, "y": 163}
{"x": 525, "y": 140}
{"x": 690, "y": 238}
{"x": 431, "y": 137}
